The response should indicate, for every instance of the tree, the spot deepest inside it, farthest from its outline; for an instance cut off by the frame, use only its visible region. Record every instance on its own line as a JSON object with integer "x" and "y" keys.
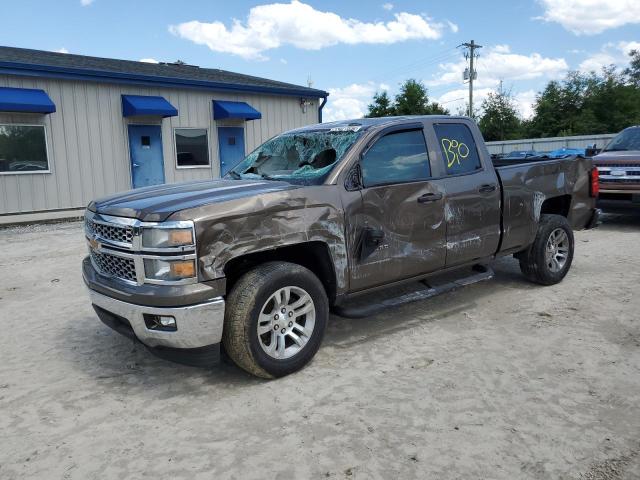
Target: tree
{"x": 381, "y": 105}
{"x": 411, "y": 100}
{"x": 500, "y": 120}
{"x": 632, "y": 72}
{"x": 584, "y": 104}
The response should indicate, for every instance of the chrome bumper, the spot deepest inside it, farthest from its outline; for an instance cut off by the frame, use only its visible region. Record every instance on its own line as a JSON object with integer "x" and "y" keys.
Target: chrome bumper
{"x": 197, "y": 325}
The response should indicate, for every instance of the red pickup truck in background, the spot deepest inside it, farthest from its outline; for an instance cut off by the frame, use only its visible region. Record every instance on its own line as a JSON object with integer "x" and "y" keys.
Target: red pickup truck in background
{"x": 619, "y": 169}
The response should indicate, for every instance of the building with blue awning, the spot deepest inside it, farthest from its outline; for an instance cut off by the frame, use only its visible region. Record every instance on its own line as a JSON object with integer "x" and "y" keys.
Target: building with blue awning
{"x": 74, "y": 128}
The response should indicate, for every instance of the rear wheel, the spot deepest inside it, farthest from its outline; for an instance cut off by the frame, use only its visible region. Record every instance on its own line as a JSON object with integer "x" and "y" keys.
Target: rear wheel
{"x": 549, "y": 257}
{"x": 275, "y": 319}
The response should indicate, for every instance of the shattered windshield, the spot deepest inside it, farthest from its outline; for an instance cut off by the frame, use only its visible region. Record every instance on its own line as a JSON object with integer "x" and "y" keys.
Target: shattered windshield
{"x": 628, "y": 139}
{"x": 303, "y": 157}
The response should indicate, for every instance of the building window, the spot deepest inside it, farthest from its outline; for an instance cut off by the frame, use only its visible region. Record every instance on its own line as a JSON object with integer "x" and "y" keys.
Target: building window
{"x": 23, "y": 149}
{"x": 192, "y": 147}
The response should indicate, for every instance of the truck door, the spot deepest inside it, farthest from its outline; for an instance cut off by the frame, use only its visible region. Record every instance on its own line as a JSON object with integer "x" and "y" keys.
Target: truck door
{"x": 472, "y": 207}
{"x": 399, "y": 229}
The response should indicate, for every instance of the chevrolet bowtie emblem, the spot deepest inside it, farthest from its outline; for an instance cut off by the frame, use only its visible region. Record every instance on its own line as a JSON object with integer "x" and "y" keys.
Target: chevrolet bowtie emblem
{"x": 95, "y": 244}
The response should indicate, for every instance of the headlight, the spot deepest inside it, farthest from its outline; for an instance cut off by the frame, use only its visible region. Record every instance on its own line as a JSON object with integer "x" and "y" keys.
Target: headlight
{"x": 169, "y": 270}
{"x": 167, "y": 237}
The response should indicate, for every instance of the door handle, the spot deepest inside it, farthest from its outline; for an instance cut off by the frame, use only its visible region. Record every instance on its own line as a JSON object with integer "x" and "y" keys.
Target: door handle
{"x": 136, "y": 165}
{"x": 489, "y": 187}
{"x": 429, "y": 197}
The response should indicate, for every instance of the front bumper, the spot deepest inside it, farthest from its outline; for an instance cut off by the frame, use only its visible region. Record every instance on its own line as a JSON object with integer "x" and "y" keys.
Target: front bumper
{"x": 198, "y": 327}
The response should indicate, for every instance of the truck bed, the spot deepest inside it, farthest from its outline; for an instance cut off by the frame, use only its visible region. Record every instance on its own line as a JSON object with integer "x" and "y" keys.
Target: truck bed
{"x": 532, "y": 185}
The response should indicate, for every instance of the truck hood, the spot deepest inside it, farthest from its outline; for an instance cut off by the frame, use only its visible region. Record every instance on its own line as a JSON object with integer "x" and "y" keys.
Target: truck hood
{"x": 623, "y": 156}
{"x": 157, "y": 203}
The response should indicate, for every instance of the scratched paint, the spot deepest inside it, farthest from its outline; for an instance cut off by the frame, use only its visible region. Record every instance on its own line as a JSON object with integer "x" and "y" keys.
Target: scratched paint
{"x": 468, "y": 242}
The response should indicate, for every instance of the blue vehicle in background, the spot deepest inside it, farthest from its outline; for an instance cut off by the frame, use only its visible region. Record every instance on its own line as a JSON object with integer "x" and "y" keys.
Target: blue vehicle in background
{"x": 566, "y": 152}
{"x": 520, "y": 155}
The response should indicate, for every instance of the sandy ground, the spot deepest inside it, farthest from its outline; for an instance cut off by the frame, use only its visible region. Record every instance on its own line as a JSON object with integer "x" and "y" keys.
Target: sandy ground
{"x": 502, "y": 379}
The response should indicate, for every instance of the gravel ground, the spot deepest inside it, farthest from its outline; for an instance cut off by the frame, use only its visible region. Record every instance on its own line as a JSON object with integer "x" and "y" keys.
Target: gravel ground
{"x": 503, "y": 379}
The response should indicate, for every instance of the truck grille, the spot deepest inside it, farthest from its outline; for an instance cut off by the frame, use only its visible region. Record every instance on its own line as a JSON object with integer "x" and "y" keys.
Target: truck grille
{"x": 619, "y": 173}
{"x": 114, "y": 266}
{"x": 114, "y": 233}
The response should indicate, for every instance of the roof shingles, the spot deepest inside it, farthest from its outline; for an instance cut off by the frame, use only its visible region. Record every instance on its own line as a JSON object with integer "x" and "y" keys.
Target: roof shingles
{"x": 22, "y": 58}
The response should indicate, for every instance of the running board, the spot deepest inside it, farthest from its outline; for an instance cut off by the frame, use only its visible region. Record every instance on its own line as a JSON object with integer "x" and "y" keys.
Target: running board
{"x": 362, "y": 311}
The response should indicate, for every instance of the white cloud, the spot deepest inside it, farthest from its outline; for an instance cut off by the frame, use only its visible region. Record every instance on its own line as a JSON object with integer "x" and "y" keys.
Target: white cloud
{"x": 86, "y": 3}
{"x": 387, "y": 6}
{"x": 610, "y": 54}
{"x": 283, "y": 61}
{"x": 525, "y": 101}
{"x": 626, "y": 47}
{"x": 499, "y": 63}
{"x": 149, "y": 60}
{"x": 452, "y": 26}
{"x": 351, "y": 101}
{"x": 302, "y": 26}
{"x": 62, "y": 50}
{"x": 589, "y": 17}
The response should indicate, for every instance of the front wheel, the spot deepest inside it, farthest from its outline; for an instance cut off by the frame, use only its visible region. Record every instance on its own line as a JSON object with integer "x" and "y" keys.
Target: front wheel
{"x": 276, "y": 316}
{"x": 549, "y": 257}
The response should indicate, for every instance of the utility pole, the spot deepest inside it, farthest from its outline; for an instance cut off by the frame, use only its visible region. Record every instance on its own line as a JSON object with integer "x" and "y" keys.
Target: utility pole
{"x": 470, "y": 73}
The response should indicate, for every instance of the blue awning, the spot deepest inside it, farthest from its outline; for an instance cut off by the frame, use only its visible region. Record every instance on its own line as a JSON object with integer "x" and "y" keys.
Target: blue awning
{"x": 25, "y": 100}
{"x": 224, "y": 109}
{"x": 133, "y": 105}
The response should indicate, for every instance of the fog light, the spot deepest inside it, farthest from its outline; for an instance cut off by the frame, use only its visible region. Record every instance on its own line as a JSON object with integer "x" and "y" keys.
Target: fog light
{"x": 162, "y": 323}
{"x": 167, "y": 321}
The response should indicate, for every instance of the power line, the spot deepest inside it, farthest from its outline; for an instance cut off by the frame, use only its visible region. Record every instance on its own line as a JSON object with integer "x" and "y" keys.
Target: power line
{"x": 449, "y": 101}
{"x": 424, "y": 61}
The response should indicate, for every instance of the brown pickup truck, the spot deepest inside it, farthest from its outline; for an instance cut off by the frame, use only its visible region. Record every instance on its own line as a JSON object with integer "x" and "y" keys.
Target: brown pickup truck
{"x": 312, "y": 220}
{"x": 619, "y": 169}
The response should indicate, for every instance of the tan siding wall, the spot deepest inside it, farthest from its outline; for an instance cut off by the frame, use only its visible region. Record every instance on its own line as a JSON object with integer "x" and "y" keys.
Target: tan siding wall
{"x": 88, "y": 146}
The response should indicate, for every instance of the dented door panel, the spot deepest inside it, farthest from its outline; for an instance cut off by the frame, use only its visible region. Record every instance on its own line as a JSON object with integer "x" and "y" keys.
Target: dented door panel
{"x": 413, "y": 240}
{"x": 472, "y": 217}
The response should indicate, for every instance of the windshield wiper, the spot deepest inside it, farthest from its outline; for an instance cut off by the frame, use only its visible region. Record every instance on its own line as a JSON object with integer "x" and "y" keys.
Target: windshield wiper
{"x": 234, "y": 174}
{"x": 267, "y": 177}
{"x": 616, "y": 149}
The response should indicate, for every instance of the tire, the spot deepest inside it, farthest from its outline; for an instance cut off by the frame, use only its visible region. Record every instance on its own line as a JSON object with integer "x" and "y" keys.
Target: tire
{"x": 256, "y": 299}
{"x": 536, "y": 263}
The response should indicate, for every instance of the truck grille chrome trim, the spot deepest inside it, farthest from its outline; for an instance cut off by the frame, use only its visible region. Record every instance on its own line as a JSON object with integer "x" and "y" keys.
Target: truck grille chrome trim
{"x": 619, "y": 173}
{"x": 115, "y": 247}
{"x": 114, "y": 233}
{"x": 114, "y": 266}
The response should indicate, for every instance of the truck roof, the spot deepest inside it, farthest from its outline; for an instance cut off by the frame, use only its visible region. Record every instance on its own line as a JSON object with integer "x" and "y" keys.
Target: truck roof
{"x": 366, "y": 123}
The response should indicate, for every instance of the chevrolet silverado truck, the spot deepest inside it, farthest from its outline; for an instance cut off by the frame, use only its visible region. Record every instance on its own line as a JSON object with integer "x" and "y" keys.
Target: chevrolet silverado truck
{"x": 619, "y": 169}
{"x": 317, "y": 217}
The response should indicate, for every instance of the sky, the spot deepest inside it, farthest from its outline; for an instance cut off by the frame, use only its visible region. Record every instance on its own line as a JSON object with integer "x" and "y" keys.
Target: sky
{"x": 349, "y": 48}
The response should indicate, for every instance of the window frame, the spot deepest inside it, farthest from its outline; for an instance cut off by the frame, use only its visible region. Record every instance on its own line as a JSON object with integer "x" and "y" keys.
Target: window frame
{"x": 46, "y": 147}
{"x": 392, "y": 131}
{"x": 175, "y": 149}
{"x": 443, "y": 165}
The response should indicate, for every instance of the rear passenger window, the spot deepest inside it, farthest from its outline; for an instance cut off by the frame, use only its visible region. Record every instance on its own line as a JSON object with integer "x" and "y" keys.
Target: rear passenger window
{"x": 458, "y": 148}
{"x": 395, "y": 158}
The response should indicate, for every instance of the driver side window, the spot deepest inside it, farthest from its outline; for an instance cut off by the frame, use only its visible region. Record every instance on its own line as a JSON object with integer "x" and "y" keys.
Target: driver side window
{"x": 398, "y": 157}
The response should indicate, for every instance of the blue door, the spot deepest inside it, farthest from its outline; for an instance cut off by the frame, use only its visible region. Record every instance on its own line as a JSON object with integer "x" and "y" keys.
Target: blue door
{"x": 147, "y": 165}
{"x": 231, "y": 146}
